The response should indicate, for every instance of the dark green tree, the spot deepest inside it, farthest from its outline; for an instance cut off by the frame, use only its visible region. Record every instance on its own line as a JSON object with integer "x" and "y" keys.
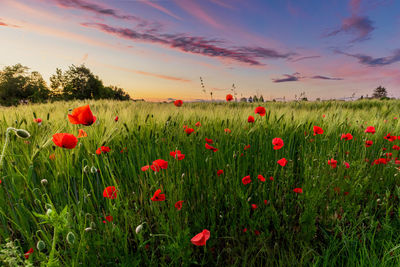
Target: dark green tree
{"x": 261, "y": 99}
{"x": 379, "y": 92}
{"x": 18, "y": 83}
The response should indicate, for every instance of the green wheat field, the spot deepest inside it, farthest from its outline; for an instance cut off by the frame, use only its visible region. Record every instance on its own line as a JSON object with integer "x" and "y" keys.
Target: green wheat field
{"x": 53, "y": 211}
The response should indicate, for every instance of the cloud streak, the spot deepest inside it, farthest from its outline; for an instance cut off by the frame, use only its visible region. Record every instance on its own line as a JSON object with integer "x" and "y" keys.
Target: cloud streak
{"x": 160, "y": 8}
{"x": 373, "y": 62}
{"x": 360, "y": 26}
{"x": 296, "y": 77}
{"x": 195, "y": 45}
{"x": 6, "y": 24}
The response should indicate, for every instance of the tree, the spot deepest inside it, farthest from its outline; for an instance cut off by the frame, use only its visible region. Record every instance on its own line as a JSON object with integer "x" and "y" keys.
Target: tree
{"x": 255, "y": 99}
{"x": 261, "y": 99}
{"x": 243, "y": 99}
{"x": 17, "y": 83}
{"x": 379, "y": 92}
{"x": 250, "y": 99}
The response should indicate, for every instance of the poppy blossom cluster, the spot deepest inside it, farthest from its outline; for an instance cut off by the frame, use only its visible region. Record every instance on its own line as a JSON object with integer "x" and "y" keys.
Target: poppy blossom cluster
{"x": 370, "y": 129}
{"x": 178, "y": 103}
{"x": 103, "y": 149}
{"x": 260, "y": 111}
{"x": 229, "y": 97}
{"x": 346, "y": 137}
{"x": 177, "y": 155}
{"x": 157, "y": 165}
{"x": 390, "y": 138}
{"x": 211, "y": 148}
{"x": 333, "y": 163}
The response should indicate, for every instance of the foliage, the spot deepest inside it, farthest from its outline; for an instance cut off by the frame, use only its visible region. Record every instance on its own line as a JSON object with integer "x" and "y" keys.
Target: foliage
{"x": 324, "y": 226}
{"x": 380, "y": 92}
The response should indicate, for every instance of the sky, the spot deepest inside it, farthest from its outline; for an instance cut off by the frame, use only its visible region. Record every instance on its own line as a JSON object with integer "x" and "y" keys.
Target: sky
{"x": 159, "y": 49}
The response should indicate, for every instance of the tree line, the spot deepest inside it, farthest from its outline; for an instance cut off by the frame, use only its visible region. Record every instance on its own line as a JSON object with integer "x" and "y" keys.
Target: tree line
{"x": 20, "y": 85}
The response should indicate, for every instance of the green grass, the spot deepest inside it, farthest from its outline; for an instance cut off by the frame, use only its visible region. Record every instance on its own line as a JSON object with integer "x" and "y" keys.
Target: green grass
{"x": 321, "y": 227}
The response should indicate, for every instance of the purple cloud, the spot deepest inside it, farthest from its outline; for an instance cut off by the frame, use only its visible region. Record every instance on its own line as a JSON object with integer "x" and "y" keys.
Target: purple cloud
{"x": 195, "y": 45}
{"x": 296, "y": 77}
{"x": 361, "y": 26}
{"x": 370, "y": 61}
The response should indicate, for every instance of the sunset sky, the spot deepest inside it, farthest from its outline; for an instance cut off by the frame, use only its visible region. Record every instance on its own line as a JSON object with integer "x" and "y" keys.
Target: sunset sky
{"x": 158, "y": 49}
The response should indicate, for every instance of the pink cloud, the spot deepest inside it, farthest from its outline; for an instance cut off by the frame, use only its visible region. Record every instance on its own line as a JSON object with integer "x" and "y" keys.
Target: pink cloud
{"x": 160, "y": 8}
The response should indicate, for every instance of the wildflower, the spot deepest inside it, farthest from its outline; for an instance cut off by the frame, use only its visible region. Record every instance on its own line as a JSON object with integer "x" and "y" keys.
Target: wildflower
{"x": 261, "y": 178}
{"x": 253, "y": 206}
{"x": 28, "y": 253}
{"x": 246, "y": 147}
{"x": 38, "y": 121}
{"x": 211, "y": 148}
{"x": 189, "y": 131}
{"x": 347, "y": 165}
{"x": 346, "y": 137}
{"x": 110, "y": 192}
{"x": 390, "y": 138}
{"x": 246, "y": 180}
{"x": 178, "y": 204}
{"x": 177, "y": 155}
{"x": 159, "y": 164}
{"x": 65, "y": 140}
{"x": 82, "y": 115}
{"x": 260, "y": 110}
{"x": 82, "y": 133}
{"x": 250, "y": 119}
{"x": 278, "y": 143}
{"x": 332, "y": 163}
{"x": 227, "y": 130}
{"x": 282, "y": 162}
{"x": 116, "y": 119}
{"x": 198, "y": 124}
{"x": 158, "y": 196}
{"x": 298, "y": 190}
{"x": 210, "y": 141}
{"x": 370, "y": 129}
{"x": 219, "y": 172}
{"x": 178, "y": 103}
{"x": 103, "y": 149}
{"x": 201, "y": 238}
{"x": 318, "y": 130}
{"x": 229, "y": 97}
{"x": 368, "y": 143}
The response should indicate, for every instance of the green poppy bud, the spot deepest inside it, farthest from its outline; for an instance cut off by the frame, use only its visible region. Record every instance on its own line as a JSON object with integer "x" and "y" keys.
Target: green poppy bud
{"x": 70, "y": 238}
{"x": 40, "y": 245}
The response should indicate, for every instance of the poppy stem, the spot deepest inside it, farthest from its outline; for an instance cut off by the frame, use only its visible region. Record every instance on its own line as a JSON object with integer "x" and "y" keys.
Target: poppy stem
{"x": 53, "y": 248}
{"x": 5, "y": 146}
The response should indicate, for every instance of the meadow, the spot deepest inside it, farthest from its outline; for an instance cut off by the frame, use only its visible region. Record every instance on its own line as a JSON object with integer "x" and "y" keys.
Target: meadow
{"x": 306, "y": 213}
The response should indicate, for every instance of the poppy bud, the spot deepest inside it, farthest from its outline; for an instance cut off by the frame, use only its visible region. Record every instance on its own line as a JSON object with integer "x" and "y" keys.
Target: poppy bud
{"x": 88, "y": 229}
{"x": 86, "y": 169}
{"x": 49, "y": 212}
{"x": 22, "y": 133}
{"x": 93, "y": 169}
{"x": 70, "y": 238}
{"x": 139, "y": 228}
{"x": 40, "y": 245}
{"x": 43, "y": 182}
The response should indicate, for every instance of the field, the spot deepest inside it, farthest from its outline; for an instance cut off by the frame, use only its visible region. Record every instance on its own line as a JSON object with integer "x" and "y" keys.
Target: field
{"x": 53, "y": 202}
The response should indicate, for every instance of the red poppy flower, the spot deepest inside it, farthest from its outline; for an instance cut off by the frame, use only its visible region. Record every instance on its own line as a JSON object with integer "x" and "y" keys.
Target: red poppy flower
{"x": 145, "y": 168}
{"x": 201, "y": 238}
{"x": 110, "y": 192}
{"x": 159, "y": 164}
{"x": 318, "y": 130}
{"x": 370, "y": 129}
{"x": 229, "y": 97}
{"x": 396, "y": 147}
{"x": 282, "y": 162}
{"x": 38, "y": 120}
{"x": 116, "y": 119}
{"x": 177, "y": 154}
{"x": 246, "y": 147}
{"x": 332, "y": 163}
{"x": 265, "y": 202}
{"x": 27, "y": 254}
{"x": 390, "y": 138}
{"x": 256, "y": 232}
{"x": 82, "y": 115}
{"x": 219, "y": 172}
{"x": 178, "y": 204}
{"x": 109, "y": 218}
{"x": 253, "y": 206}
{"x": 103, "y": 149}
{"x": 65, "y": 140}
{"x": 178, "y": 103}
{"x": 250, "y": 119}
{"x": 298, "y": 190}
{"x": 189, "y": 131}
{"x": 246, "y": 180}
{"x": 211, "y": 148}
{"x": 347, "y": 165}
{"x": 261, "y": 178}
{"x": 198, "y": 124}
{"x": 260, "y": 110}
{"x": 185, "y": 127}
{"x": 82, "y": 133}
{"x": 227, "y": 130}
{"x": 210, "y": 141}
{"x": 346, "y": 137}
{"x": 158, "y": 196}
{"x": 278, "y": 143}
{"x": 244, "y": 230}
{"x": 323, "y": 115}
{"x": 368, "y": 143}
